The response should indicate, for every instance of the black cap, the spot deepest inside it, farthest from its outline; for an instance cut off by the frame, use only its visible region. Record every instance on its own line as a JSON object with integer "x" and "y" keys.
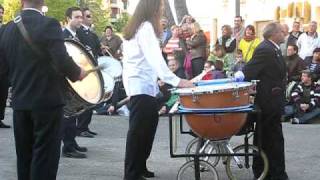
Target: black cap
{"x": 316, "y": 50}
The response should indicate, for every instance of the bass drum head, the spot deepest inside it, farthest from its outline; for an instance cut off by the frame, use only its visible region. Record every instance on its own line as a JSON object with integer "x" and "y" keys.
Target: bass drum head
{"x": 111, "y": 66}
{"x": 90, "y": 89}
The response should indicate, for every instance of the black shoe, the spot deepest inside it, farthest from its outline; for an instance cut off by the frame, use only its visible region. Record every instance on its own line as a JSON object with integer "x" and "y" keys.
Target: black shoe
{"x": 93, "y": 133}
{"x": 81, "y": 149}
{"x": 148, "y": 174}
{"x": 3, "y": 125}
{"x": 74, "y": 154}
{"x": 86, "y": 134}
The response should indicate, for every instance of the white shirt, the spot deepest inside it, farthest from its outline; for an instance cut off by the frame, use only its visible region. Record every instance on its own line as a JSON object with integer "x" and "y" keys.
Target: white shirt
{"x": 143, "y": 63}
{"x": 307, "y": 44}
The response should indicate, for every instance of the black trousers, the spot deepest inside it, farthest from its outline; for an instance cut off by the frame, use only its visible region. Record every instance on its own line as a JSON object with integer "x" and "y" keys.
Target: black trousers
{"x": 38, "y": 140}
{"x": 272, "y": 143}
{"x": 143, "y": 122}
{"x": 69, "y": 133}
{"x": 197, "y": 65}
{"x": 84, "y": 120}
{"x": 3, "y": 97}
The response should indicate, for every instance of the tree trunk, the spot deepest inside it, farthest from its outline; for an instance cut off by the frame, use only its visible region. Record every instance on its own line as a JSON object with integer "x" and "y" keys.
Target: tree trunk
{"x": 181, "y": 9}
{"x": 168, "y": 14}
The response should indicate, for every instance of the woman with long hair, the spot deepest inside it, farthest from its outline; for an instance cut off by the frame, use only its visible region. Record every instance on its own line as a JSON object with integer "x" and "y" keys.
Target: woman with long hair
{"x": 142, "y": 65}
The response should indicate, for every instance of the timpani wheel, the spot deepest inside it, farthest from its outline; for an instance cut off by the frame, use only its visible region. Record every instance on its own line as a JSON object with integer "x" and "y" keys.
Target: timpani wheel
{"x": 237, "y": 169}
{"x": 207, "y": 171}
{"x": 209, "y": 147}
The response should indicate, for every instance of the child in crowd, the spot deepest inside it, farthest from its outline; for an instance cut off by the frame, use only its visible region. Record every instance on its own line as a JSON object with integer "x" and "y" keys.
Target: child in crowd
{"x": 239, "y": 62}
{"x": 220, "y": 54}
{"x": 218, "y": 72}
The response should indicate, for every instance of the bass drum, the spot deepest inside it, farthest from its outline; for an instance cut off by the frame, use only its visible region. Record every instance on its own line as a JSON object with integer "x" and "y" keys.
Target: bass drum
{"x": 85, "y": 94}
{"x": 111, "y": 72}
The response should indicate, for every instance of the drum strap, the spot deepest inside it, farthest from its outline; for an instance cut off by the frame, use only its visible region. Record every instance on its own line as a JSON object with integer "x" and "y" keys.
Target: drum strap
{"x": 18, "y": 21}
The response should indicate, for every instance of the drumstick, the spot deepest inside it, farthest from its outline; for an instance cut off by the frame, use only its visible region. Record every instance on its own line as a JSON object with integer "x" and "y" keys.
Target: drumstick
{"x": 97, "y": 68}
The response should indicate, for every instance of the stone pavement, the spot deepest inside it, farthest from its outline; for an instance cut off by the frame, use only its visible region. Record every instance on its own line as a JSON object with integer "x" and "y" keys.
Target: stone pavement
{"x": 106, "y": 152}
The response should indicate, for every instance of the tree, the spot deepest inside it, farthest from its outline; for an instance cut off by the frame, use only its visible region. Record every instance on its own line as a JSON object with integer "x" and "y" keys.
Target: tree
{"x": 57, "y": 8}
{"x": 181, "y": 10}
{"x": 100, "y": 14}
{"x": 121, "y": 22}
{"x": 11, "y": 8}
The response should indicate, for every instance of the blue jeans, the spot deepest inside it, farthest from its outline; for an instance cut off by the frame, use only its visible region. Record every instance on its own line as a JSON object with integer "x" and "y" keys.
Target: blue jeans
{"x": 306, "y": 117}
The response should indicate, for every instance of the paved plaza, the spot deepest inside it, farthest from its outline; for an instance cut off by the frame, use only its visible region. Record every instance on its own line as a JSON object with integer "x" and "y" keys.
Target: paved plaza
{"x": 106, "y": 152}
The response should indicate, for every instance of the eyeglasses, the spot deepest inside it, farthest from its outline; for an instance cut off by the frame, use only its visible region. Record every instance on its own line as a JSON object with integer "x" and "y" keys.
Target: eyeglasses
{"x": 88, "y": 16}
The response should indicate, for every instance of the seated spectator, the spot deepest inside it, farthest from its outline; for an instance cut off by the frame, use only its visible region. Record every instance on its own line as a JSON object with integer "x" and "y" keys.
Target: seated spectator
{"x": 313, "y": 64}
{"x": 294, "y": 63}
{"x": 220, "y": 54}
{"x": 305, "y": 97}
{"x": 165, "y": 93}
{"x": 239, "y": 63}
{"x": 112, "y": 105}
{"x": 218, "y": 72}
{"x": 208, "y": 67}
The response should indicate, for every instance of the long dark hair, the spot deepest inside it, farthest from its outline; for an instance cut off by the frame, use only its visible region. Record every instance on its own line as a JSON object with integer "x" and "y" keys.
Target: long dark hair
{"x": 146, "y": 10}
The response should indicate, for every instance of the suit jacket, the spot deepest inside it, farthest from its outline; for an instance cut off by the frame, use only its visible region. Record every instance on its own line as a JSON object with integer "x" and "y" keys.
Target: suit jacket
{"x": 268, "y": 66}
{"x": 37, "y": 81}
{"x": 90, "y": 39}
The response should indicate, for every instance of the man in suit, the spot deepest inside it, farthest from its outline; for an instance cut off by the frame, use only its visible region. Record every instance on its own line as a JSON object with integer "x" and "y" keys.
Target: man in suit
{"x": 268, "y": 66}
{"x": 91, "y": 41}
{"x": 71, "y": 148}
{"x": 3, "y": 87}
{"x": 37, "y": 81}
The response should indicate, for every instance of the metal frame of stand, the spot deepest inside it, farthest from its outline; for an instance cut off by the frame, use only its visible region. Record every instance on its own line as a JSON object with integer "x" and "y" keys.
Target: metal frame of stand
{"x": 196, "y": 156}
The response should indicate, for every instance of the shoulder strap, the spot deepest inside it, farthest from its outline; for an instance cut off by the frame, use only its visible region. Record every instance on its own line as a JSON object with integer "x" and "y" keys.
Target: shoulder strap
{"x": 18, "y": 21}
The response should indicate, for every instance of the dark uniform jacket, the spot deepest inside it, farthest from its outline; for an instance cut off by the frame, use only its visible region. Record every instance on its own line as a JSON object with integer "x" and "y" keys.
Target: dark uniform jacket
{"x": 268, "y": 66}
{"x": 37, "y": 81}
{"x": 90, "y": 39}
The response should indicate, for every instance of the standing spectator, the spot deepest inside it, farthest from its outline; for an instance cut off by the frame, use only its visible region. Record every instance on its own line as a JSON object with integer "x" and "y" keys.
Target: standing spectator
{"x": 249, "y": 43}
{"x": 267, "y": 65}
{"x": 166, "y": 32}
{"x": 226, "y": 40}
{"x": 175, "y": 47}
{"x": 305, "y": 97}
{"x": 308, "y": 41}
{"x": 295, "y": 33}
{"x": 238, "y": 29}
{"x": 197, "y": 44}
{"x": 111, "y": 43}
{"x": 284, "y": 45}
{"x": 294, "y": 63}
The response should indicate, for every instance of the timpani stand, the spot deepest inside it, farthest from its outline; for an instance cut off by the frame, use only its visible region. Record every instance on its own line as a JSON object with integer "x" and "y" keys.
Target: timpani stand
{"x": 176, "y": 115}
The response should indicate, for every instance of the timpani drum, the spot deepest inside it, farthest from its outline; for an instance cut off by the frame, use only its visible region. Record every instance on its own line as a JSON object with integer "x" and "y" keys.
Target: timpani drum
{"x": 222, "y": 95}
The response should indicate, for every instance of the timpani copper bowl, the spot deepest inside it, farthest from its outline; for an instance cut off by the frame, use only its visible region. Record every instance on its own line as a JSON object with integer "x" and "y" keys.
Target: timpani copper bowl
{"x": 216, "y": 95}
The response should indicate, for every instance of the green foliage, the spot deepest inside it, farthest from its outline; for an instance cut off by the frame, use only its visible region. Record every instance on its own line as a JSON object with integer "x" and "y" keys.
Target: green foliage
{"x": 57, "y": 8}
{"x": 100, "y": 15}
{"x": 11, "y": 8}
{"x": 121, "y": 22}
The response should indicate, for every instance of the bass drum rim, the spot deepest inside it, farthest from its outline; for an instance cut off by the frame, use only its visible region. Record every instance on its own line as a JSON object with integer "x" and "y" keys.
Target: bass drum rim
{"x": 85, "y": 104}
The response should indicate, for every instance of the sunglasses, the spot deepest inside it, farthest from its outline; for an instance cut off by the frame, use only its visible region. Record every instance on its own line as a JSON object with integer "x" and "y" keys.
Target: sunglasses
{"x": 88, "y": 16}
